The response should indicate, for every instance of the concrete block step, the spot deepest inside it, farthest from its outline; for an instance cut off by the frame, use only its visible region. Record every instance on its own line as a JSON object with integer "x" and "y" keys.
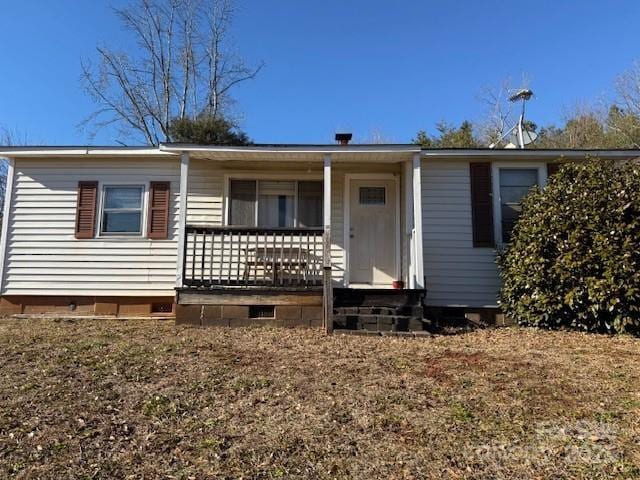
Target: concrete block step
{"x": 377, "y": 322}
{"x": 348, "y": 297}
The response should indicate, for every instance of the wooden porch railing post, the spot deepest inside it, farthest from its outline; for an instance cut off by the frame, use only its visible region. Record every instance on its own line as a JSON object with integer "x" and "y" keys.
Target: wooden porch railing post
{"x": 326, "y": 281}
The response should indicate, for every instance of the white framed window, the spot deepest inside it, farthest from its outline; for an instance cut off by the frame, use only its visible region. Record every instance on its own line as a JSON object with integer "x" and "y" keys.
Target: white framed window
{"x": 274, "y": 203}
{"x": 511, "y": 183}
{"x": 122, "y": 211}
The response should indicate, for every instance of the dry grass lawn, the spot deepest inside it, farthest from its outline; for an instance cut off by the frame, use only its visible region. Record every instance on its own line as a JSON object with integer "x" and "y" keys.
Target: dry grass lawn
{"x": 146, "y": 399}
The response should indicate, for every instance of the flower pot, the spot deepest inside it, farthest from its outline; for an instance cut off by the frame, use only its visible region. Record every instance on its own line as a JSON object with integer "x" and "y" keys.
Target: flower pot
{"x": 398, "y": 284}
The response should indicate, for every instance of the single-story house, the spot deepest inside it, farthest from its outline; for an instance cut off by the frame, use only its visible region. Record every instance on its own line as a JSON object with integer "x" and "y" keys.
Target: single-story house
{"x": 345, "y": 236}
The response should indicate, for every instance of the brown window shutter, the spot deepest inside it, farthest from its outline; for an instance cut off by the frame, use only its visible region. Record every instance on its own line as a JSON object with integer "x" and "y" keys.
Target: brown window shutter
{"x": 158, "y": 222}
{"x": 86, "y": 209}
{"x": 552, "y": 168}
{"x": 481, "y": 204}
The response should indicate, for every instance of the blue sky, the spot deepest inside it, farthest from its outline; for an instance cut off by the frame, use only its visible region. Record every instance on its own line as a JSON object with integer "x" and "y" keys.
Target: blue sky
{"x": 364, "y": 66}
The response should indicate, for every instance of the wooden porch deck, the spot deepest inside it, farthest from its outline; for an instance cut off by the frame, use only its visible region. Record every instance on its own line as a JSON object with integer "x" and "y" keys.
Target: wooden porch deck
{"x": 228, "y": 273}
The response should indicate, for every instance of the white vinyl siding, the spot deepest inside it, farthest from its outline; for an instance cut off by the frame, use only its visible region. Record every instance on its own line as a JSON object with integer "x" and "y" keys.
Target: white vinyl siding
{"x": 206, "y": 191}
{"x": 457, "y": 274}
{"x": 45, "y": 258}
{"x": 337, "y": 226}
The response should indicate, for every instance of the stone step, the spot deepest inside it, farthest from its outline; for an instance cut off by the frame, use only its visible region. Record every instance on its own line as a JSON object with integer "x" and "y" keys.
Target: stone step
{"x": 377, "y": 322}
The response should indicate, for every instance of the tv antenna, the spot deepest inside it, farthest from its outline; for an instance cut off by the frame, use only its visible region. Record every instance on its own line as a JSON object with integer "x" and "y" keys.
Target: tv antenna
{"x": 519, "y": 135}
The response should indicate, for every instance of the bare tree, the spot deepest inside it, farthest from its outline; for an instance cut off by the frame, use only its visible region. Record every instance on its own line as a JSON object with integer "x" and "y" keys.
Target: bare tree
{"x": 499, "y": 114}
{"x": 627, "y": 87}
{"x": 185, "y": 66}
{"x": 7, "y": 138}
{"x": 624, "y": 118}
{"x": 376, "y": 137}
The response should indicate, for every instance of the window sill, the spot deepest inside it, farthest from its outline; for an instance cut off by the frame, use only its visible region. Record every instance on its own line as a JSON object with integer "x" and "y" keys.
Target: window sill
{"x": 120, "y": 237}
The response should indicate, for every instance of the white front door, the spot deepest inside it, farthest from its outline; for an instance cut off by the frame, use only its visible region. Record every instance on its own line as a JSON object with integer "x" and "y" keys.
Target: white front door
{"x": 373, "y": 227}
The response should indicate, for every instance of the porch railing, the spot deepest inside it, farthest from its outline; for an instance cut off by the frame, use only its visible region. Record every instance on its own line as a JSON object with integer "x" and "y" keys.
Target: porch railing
{"x": 216, "y": 256}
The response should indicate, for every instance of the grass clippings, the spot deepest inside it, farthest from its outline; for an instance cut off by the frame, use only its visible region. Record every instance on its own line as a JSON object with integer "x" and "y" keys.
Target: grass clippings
{"x": 147, "y": 399}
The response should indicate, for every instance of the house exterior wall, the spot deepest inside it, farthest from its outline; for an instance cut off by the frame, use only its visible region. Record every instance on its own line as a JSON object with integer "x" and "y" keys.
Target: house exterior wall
{"x": 43, "y": 256}
{"x": 457, "y": 274}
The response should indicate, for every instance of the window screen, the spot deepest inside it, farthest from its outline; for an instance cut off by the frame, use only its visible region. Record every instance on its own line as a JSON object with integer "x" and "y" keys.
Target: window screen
{"x": 242, "y": 197}
{"x": 372, "y": 196}
{"x": 515, "y": 183}
{"x": 122, "y": 209}
{"x": 309, "y": 204}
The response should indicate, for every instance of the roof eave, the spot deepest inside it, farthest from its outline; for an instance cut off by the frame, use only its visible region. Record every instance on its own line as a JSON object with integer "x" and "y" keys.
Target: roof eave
{"x": 186, "y": 147}
{"x": 518, "y": 153}
{"x": 40, "y": 152}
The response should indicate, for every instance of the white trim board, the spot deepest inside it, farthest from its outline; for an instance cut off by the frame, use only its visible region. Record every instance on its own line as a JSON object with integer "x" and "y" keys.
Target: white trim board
{"x": 182, "y": 215}
{"x": 347, "y": 219}
{"x": 417, "y": 235}
{"x": 8, "y": 196}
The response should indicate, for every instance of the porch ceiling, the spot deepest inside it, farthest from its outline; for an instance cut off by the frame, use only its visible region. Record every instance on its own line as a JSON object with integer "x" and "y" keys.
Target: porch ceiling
{"x": 300, "y": 153}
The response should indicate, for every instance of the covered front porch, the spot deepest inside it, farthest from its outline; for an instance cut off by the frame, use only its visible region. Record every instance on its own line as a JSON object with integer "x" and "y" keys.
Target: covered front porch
{"x": 269, "y": 225}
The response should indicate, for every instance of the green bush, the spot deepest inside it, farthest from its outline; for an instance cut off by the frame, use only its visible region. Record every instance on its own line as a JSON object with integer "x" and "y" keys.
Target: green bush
{"x": 574, "y": 258}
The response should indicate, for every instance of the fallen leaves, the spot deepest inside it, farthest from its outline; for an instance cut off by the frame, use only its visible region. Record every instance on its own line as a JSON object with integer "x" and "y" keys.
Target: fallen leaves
{"x": 148, "y": 399}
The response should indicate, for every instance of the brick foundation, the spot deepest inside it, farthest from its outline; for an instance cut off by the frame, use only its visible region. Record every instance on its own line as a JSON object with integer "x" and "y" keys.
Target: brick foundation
{"x": 309, "y": 316}
{"x": 84, "y": 305}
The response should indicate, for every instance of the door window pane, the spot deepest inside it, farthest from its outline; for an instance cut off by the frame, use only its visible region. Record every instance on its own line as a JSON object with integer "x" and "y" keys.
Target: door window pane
{"x": 310, "y": 204}
{"x": 122, "y": 210}
{"x": 515, "y": 183}
{"x": 372, "y": 196}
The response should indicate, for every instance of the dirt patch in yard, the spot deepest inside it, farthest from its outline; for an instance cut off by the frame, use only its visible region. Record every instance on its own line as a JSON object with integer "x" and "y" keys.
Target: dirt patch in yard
{"x": 146, "y": 399}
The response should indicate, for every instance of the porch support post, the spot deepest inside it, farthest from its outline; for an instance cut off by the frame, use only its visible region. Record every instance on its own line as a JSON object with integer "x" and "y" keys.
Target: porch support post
{"x": 327, "y": 190}
{"x": 418, "y": 267}
{"x": 408, "y": 222}
{"x": 182, "y": 216}
{"x": 326, "y": 254}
